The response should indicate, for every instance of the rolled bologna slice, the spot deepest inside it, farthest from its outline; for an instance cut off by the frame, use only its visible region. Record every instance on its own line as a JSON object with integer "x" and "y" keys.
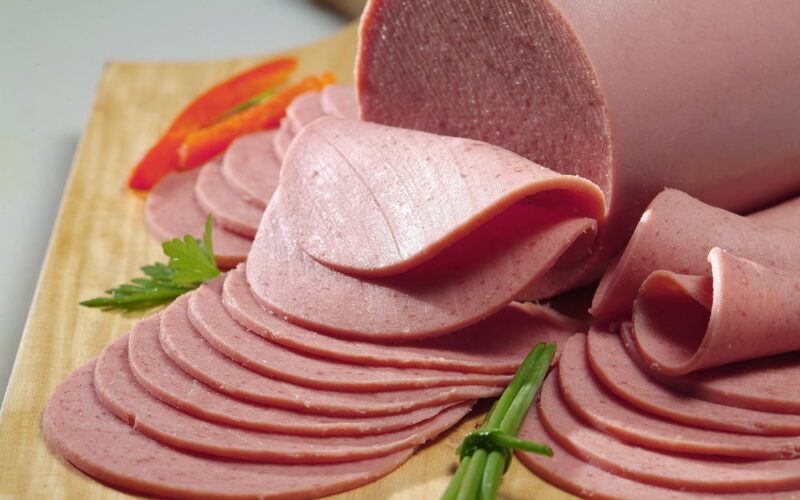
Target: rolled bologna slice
{"x": 251, "y": 166}
{"x": 594, "y": 404}
{"x": 225, "y": 204}
{"x": 171, "y": 211}
{"x": 453, "y": 274}
{"x": 79, "y": 428}
{"x": 677, "y": 232}
{"x": 189, "y": 350}
{"x": 339, "y": 101}
{"x": 623, "y": 376}
{"x": 685, "y": 323}
{"x": 767, "y": 384}
{"x": 123, "y": 396}
{"x": 304, "y": 109}
{"x": 710, "y": 112}
{"x": 209, "y": 317}
{"x": 497, "y": 344}
{"x": 162, "y": 378}
{"x": 677, "y": 471}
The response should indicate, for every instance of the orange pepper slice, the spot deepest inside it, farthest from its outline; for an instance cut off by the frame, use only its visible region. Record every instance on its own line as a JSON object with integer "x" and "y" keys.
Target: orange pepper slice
{"x": 202, "y": 145}
{"x": 203, "y": 111}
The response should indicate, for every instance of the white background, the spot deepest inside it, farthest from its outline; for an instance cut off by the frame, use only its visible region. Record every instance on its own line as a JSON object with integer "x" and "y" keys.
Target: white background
{"x": 51, "y": 57}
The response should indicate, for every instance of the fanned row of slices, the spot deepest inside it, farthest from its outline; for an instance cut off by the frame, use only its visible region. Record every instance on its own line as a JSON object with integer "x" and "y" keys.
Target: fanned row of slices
{"x": 680, "y": 401}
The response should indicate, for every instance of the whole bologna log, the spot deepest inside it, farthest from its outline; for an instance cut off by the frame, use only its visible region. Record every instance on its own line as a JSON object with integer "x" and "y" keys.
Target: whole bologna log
{"x": 635, "y": 96}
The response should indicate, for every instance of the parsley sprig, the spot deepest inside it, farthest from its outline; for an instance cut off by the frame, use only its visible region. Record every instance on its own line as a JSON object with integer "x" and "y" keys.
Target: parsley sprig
{"x": 191, "y": 263}
{"x": 486, "y": 452}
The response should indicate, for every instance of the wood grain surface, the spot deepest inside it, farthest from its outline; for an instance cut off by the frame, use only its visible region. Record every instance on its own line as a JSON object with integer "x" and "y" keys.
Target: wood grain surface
{"x": 100, "y": 240}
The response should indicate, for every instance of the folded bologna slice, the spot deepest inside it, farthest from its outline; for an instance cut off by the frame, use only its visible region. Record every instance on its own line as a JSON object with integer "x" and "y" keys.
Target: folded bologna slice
{"x": 660, "y": 468}
{"x": 766, "y": 384}
{"x": 251, "y": 167}
{"x": 621, "y": 375}
{"x": 79, "y": 428}
{"x": 339, "y": 101}
{"x": 437, "y": 247}
{"x": 545, "y": 79}
{"x": 497, "y": 344}
{"x": 596, "y": 405}
{"x": 585, "y": 480}
{"x": 684, "y": 323}
{"x": 157, "y": 373}
{"x": 121, "y": 394}
{"x": 172, "y": 212}
{"x": 209, "y": 317}
{"x": 228, "y": 206}
{"x": 189, "y": 350}
{"x": 677, "y": 232}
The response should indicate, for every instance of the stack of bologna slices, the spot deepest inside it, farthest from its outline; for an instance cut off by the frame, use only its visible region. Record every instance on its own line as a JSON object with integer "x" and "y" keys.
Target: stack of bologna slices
{"x": 302, "y": 373}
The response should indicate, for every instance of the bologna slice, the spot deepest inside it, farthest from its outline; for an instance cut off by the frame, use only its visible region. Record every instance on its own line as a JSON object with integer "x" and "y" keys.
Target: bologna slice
{"x": 593, "y": 403}
{"x": 339, "y": 101}
{"x": 228, "y": 207}
{"x": 251, "y": 167}
{"x": 79, "y": 428}
{"x": 189, "y": 350}
{"x": 172, "y": 212}
{"x": 710, "y": 112}
{"x": 677, "y": 232}
{"x": 767, "y": 384}
{"x": 497, "y": 344}
{"x": 209, "y": 317}
{"x": 121, "y": 394}
{"x": 745, "y": 310}
{"x": 165, "y": 380}
{"x": 282, "y": 139}
{"x": 623, "y": 376}
{"x": 678, "y": 471}
{"x": 304, "y": 109}
{"x": 527, "y": 218}
{"x": 585, "y": 480}
{"x": 377, "y": 201}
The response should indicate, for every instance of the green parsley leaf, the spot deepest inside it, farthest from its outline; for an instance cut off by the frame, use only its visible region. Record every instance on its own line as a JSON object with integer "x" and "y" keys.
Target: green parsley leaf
{"x": 191, "y": 263}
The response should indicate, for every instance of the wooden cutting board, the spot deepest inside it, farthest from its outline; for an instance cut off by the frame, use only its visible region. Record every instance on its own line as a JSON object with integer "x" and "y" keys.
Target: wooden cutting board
{"x": 100, "y": 240}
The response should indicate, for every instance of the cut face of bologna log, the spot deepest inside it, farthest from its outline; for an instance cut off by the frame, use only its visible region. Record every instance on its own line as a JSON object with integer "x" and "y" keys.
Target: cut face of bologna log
{"x": 710, "y": 112}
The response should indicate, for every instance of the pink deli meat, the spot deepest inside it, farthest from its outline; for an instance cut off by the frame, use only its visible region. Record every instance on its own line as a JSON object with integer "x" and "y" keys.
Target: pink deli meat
{"x": 621, "y": 374}
{"x": 187, "y": 348}
{"x": 210, "y": 318}
{"x": 710, "y": 112}
{"x": 678, "y": 471}
{"x": 593, "y": 403}
{"x": 339, "y": 101}
{"x": 165, "y": 380}
{"x": 585, "y": 480}
{"x": 767, "y": 384}
{"x": 79, "y": 428}
{"x": 497, "y": 344}
{"x": 172, "y": 212}
{"x": 121, "y": 394}
{"x": 455, "y": 270}
{"x": 684, "y": 323}
{"x": 677, "y": 232}
{"x": 252, "y": 168}
{"x": 282, "y": 139}
{"x": 304, "y": 109}
{"x": 228, "y": 207}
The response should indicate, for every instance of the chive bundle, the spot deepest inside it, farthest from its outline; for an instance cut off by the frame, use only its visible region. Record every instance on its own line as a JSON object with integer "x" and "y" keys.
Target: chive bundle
{"x": 486, "y": 453}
